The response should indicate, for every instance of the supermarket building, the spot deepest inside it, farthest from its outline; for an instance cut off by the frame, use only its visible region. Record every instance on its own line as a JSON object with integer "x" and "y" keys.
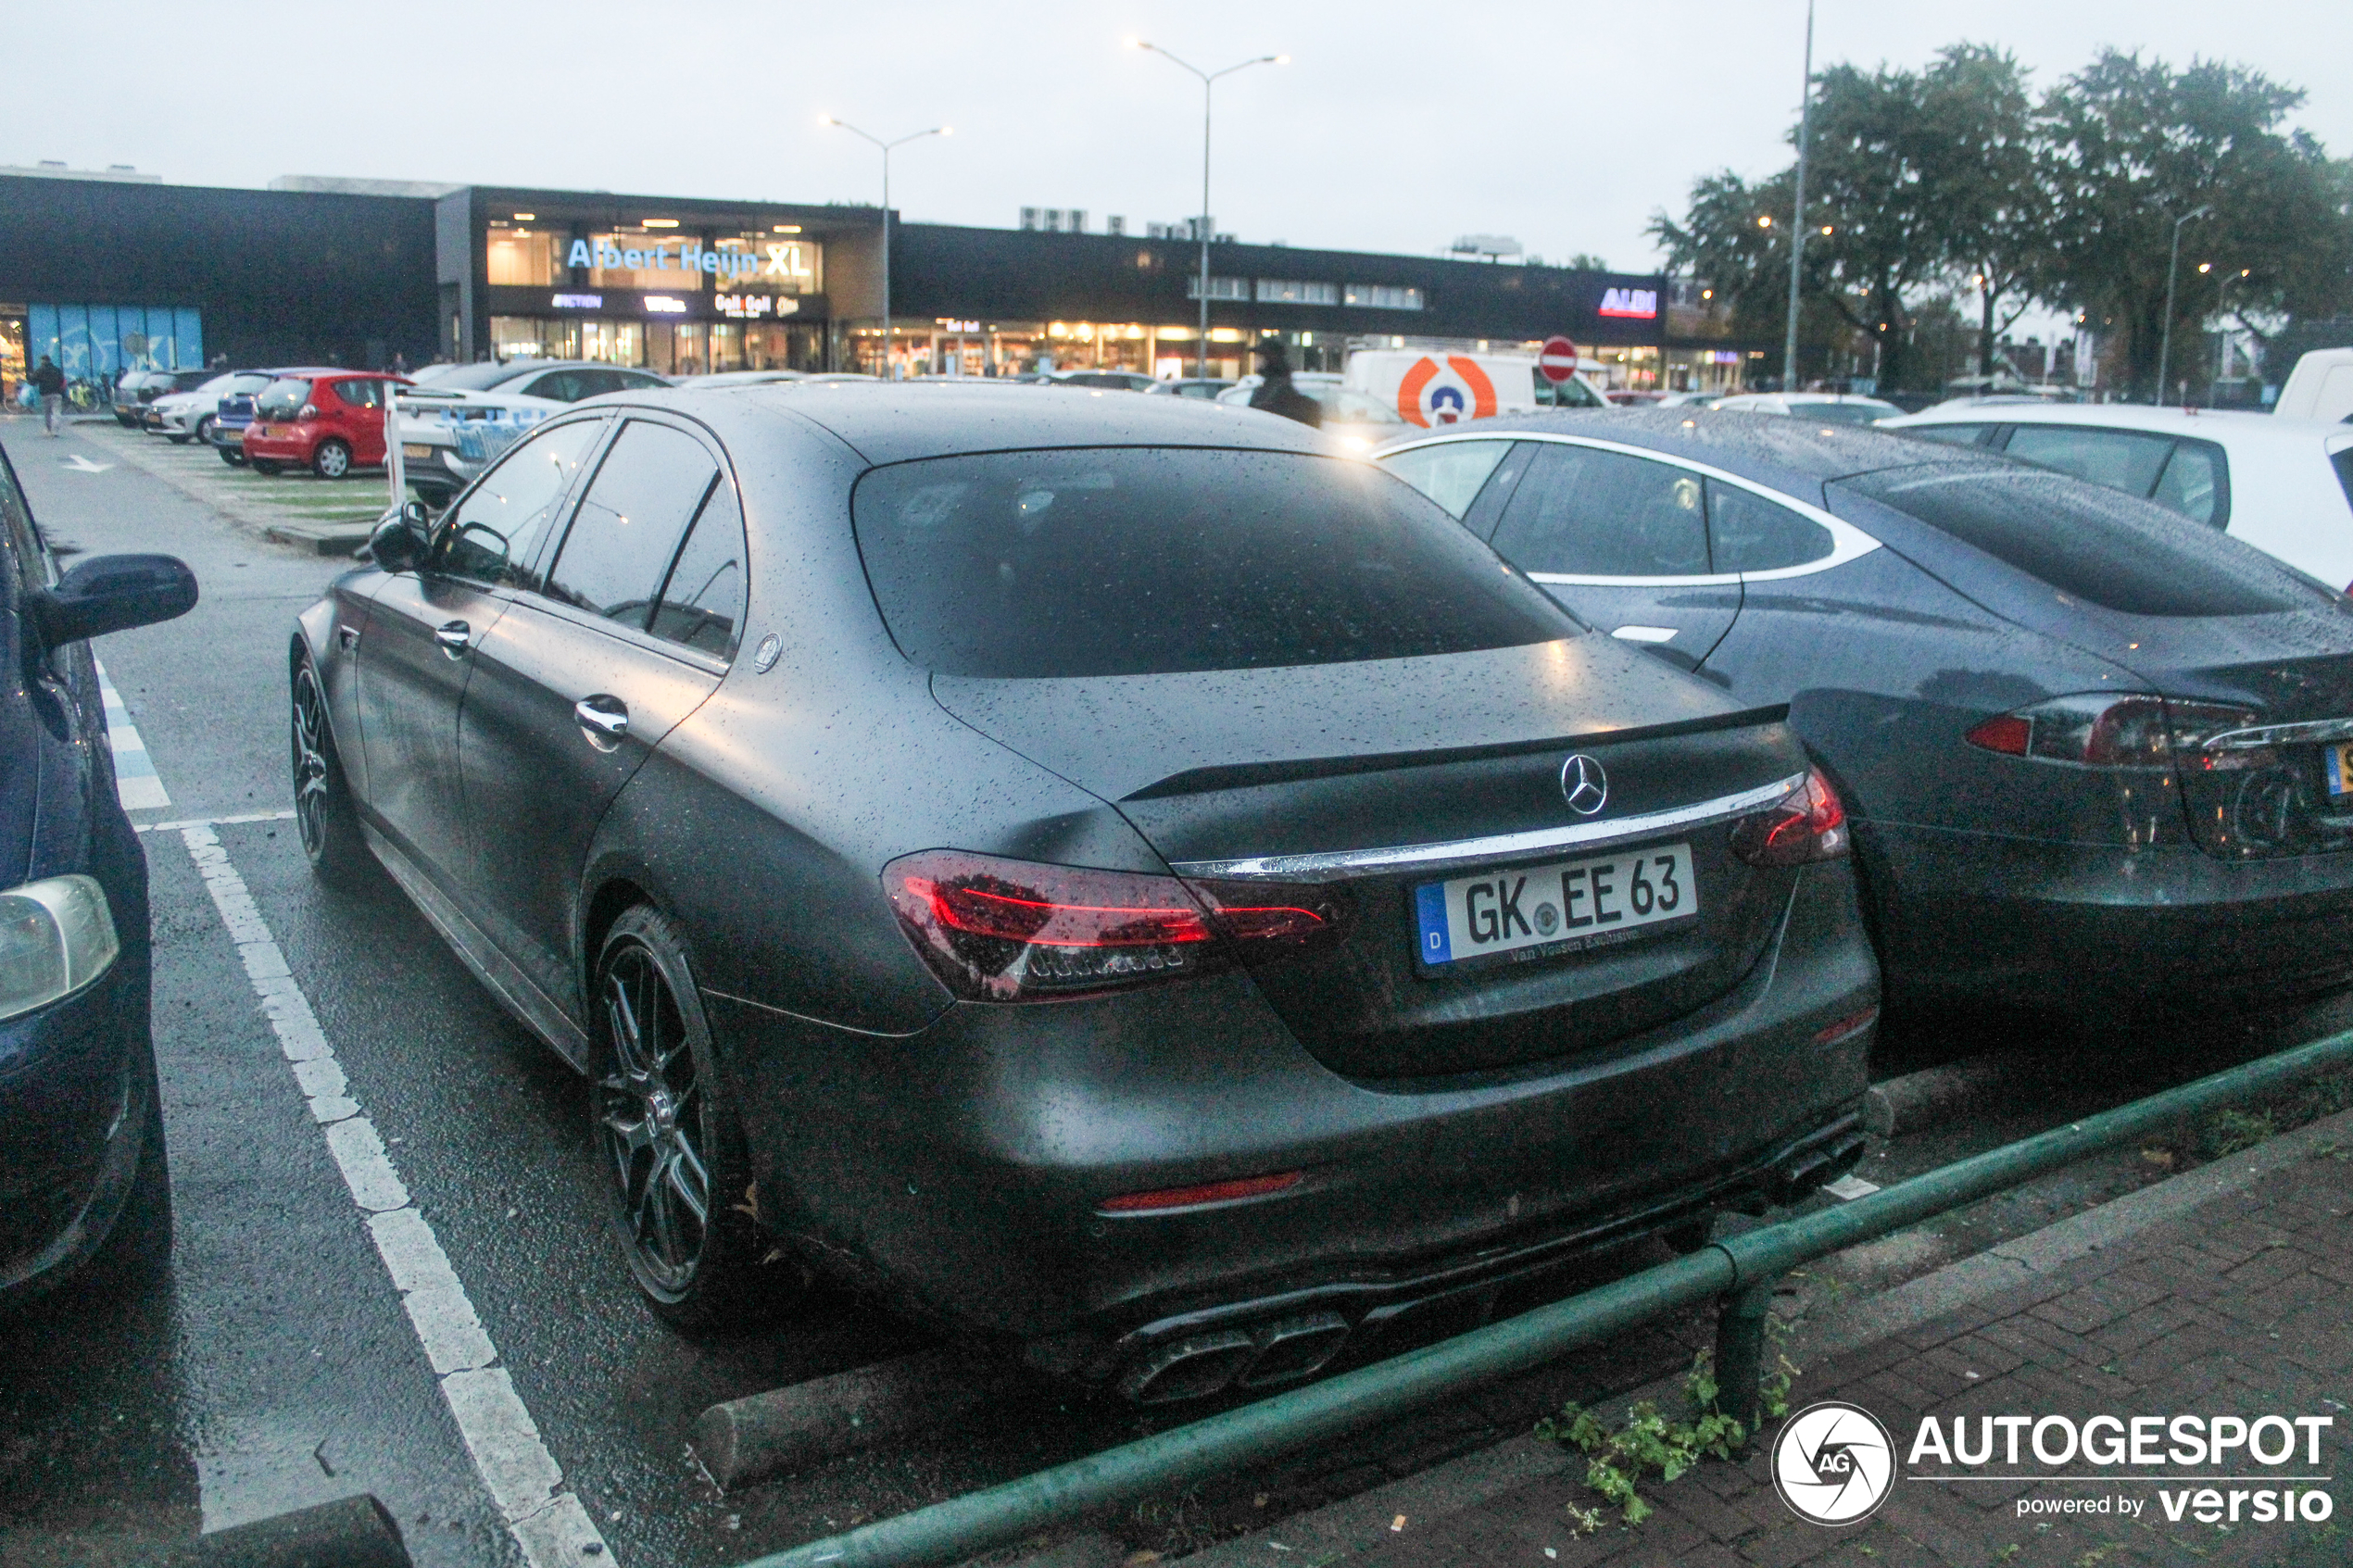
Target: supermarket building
{"x": 107, "y": 272}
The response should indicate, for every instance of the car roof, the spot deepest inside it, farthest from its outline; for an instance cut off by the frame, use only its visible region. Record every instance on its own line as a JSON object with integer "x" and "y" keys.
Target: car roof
{"x": 2227, "y": 425}
{"x": 1785, "y": 452}
{"x": 896, "y": 422}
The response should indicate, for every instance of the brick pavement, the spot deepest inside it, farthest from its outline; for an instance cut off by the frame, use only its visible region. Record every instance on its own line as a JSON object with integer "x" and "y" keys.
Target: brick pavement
{"x": 2239, "y": 1307}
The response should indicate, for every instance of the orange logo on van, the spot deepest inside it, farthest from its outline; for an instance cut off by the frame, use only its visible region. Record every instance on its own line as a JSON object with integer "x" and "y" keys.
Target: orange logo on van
{"x": 1429, "y": 396}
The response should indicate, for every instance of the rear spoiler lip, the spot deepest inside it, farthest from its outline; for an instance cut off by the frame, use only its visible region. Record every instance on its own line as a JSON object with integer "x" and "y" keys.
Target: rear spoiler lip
{"x": 1344, "y": 864}
{"x": 1243, "y": 775}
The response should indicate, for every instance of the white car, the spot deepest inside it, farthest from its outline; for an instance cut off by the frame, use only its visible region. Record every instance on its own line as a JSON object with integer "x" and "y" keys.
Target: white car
{"x": 2320, "y": 388}
{"x": 182, "y": 417}
{"x": 454, "y": 426}
{"x": 1831, "y": 407}
{"x": 2285, "y": 485}
{"x": 1356, "y": 419}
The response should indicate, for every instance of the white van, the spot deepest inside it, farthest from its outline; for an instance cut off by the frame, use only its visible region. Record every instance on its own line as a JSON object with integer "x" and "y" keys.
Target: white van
{"x": 2320, "y": 388}
{"x": 1430, "y": 387}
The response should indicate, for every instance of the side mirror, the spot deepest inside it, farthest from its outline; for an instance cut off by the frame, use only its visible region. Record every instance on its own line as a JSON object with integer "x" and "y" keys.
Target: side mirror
{"x": 112, "y": 594}
{"x": 403, "y": 539}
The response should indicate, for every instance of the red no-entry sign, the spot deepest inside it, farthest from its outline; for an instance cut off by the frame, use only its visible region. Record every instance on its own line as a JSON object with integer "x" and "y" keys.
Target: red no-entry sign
{"x": 1558, "y": 360}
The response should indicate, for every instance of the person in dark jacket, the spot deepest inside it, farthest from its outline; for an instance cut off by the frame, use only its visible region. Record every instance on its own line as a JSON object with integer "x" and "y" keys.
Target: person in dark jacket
{"x": 50, "y": 382}
{"x": 1275, "y": 394}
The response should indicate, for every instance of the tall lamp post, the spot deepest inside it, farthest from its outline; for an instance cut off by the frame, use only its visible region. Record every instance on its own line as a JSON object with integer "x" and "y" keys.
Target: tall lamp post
{"x": 2222, "y": 347}
{"x": 2172, "y": 265}
{"x": 914, "y": 136}
{"x": 1208, "y": 80}
{"x": 1797, "y": 235}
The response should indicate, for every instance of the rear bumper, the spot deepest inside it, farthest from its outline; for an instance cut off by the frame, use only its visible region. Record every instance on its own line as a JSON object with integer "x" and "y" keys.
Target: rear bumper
{"x": 2079, "y": 926}
{"x": 279, "y": 448}
{"x": 965, "y": 1165}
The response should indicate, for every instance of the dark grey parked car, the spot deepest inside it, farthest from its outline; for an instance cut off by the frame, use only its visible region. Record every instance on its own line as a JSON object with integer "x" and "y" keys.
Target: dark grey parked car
{"x": 1113, "y": 874}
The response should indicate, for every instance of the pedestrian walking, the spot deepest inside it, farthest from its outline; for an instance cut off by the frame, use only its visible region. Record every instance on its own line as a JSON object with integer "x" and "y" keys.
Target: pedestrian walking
{"x": 51, "y": 384}
{"x": 1276, "y": 393}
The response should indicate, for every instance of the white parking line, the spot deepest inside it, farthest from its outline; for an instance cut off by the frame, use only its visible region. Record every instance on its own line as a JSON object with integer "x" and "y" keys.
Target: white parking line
{"x": 135, "y": 780}
{"x": 525, "y": 1481}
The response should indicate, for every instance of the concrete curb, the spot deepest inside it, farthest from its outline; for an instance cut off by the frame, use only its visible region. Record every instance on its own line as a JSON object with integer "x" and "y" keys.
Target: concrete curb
{"x": 1356, "y": 1523}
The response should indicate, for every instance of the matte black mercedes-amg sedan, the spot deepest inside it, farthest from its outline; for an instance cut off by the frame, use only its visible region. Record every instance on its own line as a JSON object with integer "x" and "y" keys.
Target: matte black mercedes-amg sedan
{"x": 2098, "y": 754}
{"x": 1106, "y": 870}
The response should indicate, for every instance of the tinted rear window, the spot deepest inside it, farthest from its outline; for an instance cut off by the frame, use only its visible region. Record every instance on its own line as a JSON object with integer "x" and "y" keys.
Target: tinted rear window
{"x": 1140, "y": 560}
{"x": 2103, "y": 547}
{"x": 282, "y": 399}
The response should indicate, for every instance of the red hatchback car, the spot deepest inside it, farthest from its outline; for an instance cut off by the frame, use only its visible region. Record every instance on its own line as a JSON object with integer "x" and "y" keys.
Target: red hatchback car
{"x": 330, "y": 421}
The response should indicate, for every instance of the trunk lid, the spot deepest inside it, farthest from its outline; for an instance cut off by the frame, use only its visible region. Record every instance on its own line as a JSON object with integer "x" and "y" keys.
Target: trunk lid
{"x": 1321, "y": 774}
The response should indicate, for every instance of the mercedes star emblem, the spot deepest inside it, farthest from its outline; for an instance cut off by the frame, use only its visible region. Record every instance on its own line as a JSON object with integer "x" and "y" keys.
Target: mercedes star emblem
{"x": 1583, "y": 785}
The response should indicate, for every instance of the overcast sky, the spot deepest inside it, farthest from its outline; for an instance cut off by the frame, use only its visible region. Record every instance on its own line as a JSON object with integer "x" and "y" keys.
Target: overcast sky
{"x": 1395, "y": 126}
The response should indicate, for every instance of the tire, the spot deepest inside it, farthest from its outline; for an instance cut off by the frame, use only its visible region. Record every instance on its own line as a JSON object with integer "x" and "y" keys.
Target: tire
{"x": 176, "y": 440}
{"x": 330, "y": 460}
{"x": 265, "y": 465}
{"x": 668, "y": 1143}
{"x": 203, "y": 433}
{"x": 231, "y": 455}
{"x": 325, "y": 820}
{"x": 137, "y": 1252}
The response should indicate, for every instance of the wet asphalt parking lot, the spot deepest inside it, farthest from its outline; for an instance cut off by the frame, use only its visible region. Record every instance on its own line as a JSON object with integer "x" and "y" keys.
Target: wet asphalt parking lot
{"x": 278, "y": 1367}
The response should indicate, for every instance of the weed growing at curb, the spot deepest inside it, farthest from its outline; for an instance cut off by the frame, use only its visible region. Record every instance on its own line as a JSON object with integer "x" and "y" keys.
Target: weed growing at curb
{"x": 1649, "y": 1441}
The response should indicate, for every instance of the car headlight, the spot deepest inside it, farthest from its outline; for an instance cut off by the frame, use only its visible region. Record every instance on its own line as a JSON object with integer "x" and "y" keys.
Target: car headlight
{"x": 56, "y": 935}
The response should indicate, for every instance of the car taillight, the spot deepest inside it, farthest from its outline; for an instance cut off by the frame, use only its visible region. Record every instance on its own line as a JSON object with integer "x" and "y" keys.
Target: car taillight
{"x": 2102, "y": 729}
{"x": 1810, "y": 824}
{"x": 307, "y": 411}
{"x": 1008, "y": 931}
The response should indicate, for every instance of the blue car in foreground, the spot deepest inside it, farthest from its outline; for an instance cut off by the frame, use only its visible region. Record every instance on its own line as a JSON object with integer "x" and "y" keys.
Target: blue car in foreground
{"x": 81, "y": 1162}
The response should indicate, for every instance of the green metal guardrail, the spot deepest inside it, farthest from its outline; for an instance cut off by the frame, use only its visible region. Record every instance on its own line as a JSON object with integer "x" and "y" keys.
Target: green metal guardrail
{"x": 1741, "y": 1270}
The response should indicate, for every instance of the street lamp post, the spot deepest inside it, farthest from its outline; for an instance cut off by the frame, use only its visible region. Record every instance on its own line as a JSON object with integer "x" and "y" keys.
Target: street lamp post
{"x": 889, "y": 374}
{"x": 1797, "y": 224}
{"x": 2172, "y": 265}
{"x": 1208, "y": 80}
{"x": 2222, "y": 347}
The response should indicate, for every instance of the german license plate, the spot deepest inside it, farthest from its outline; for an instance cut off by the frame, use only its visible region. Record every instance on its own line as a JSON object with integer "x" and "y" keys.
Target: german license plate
{"x": 2336, "y": 770}
{"x": 1536, "y": 911}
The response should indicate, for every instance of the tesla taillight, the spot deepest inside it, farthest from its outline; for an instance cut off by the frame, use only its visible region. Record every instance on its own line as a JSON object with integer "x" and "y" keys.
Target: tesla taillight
{"x": 1004, "y": 930}
{"x": 2103, "y": 730}
{"x": 1808, "y": 824}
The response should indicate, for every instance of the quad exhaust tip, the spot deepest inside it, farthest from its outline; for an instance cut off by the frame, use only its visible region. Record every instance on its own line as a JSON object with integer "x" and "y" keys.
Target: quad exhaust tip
{"x": 1262, "y": 1357}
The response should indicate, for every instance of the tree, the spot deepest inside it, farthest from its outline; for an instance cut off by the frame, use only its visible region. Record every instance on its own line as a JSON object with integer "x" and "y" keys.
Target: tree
{"x": 1875, "y": 228}
{"x": 2135, "y": 145}
{"x": 1987, "y": 181}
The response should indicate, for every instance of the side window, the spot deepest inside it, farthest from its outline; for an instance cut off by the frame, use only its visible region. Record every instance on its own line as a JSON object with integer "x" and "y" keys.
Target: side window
{"x": 361, "y": 393}
{"x": 702, "y": 605}
{"x": 649, "y": 487}
{"x": 2120, "y": 459}
{"x": 561, "y": 386}
{"x": 1954, "y": 435}
{"x": 633, "y": 381}
{"x": 1488, "y": 510}
{"x": 1451, "y": 472}
{"x": 1585, "y": 513}
{"x": 2195, "y": 484}
{"x": 494, "y": 532}
{"x": 1747, "y": 532}
{"x": 30, "y": 553}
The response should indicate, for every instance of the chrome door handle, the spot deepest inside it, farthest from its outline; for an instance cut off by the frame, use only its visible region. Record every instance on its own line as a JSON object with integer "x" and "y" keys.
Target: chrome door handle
{"x": 604, "y": 720}
{"x": 454, "y": 638}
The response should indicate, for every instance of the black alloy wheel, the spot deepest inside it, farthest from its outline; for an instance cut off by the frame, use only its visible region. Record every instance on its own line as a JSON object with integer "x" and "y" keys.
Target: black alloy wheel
{"x": 330, "y": 460}
{"x": 324, "y": 818}
{"x": 683, "y": 1203}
